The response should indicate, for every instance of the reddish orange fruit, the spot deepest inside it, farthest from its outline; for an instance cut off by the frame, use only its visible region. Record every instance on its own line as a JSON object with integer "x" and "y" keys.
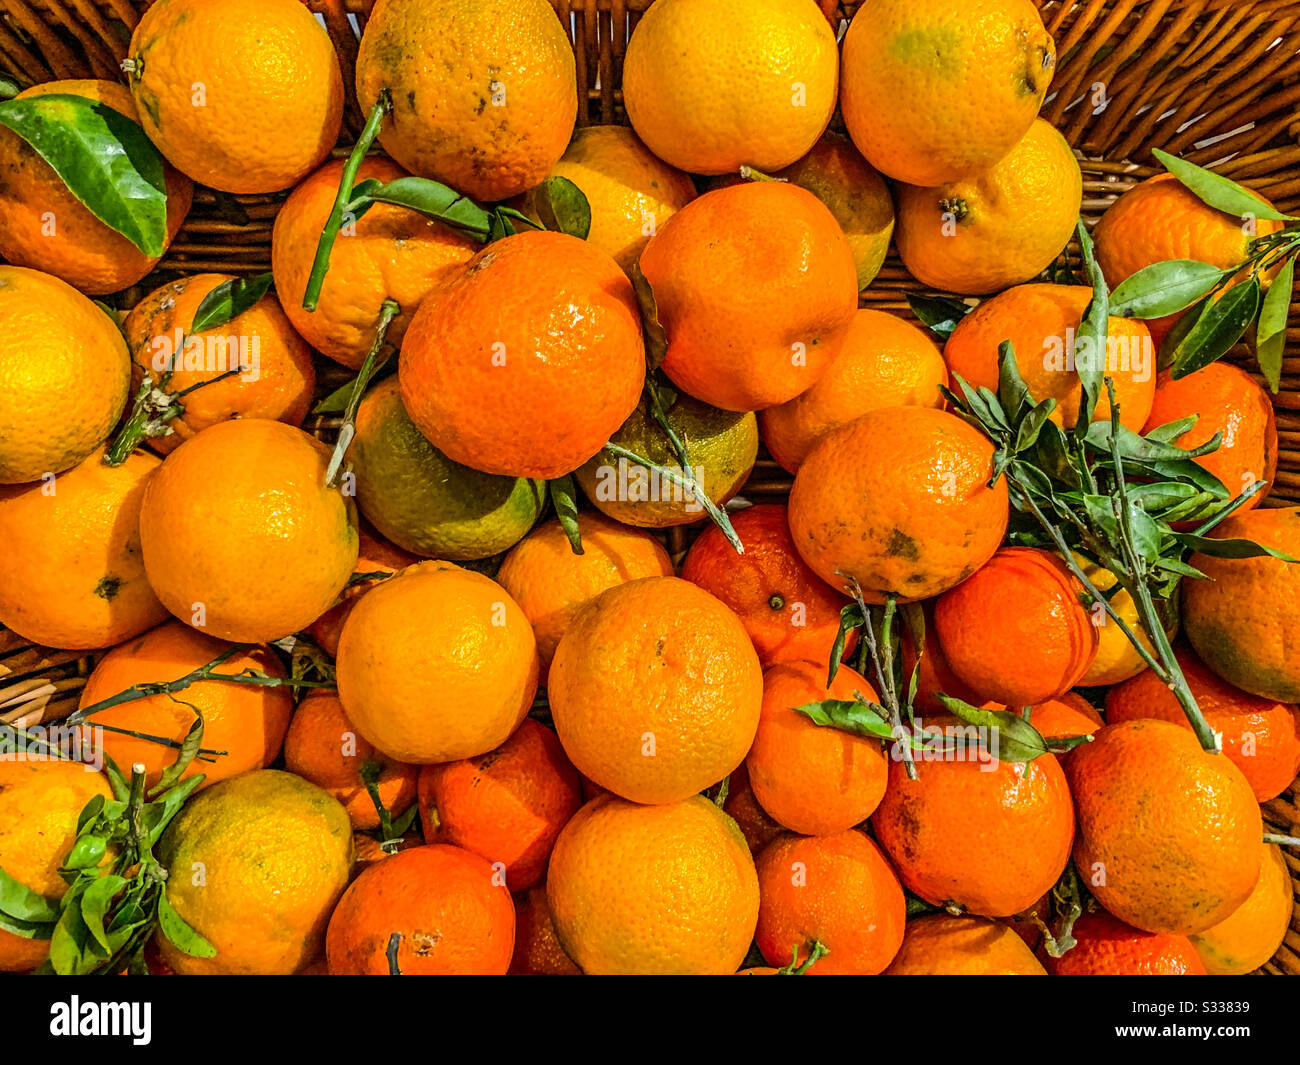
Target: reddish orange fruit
{"x": 935, "y": 676}
{"x": 1106, "y": 946}
{"x": 1070, "y": 715}
{"x": 375, "y": 555}
{"x": 942, "y": 945}
{"x": 755, "y": 823}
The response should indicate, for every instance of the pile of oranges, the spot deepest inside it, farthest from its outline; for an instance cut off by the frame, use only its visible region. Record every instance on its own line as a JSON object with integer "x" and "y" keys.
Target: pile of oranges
{"x": 535, "y": 742}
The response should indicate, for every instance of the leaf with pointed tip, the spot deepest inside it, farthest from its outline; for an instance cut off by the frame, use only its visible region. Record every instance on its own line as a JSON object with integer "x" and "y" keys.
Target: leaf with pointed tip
{"x": 849, "y": 715}
{"x": 229, "y": 300}
{"x": 1218, "y": 191}
{"x": 1164, "y": 288}
{"x": 23, "y": 904}
{"x": 1171, "y": 431}
{"x": 563, "y": 207}
{"x": 564, "y": 496}
{"x": 1220, "y": 326}
{"x": 1092, "y": 332}
{"x": 1270, "y": 336}
{"x": 1016, "y": 739}
{"x": 940, "y": 314}
{"x": 1229, "y": 548}
{"x": 179, "y": 931}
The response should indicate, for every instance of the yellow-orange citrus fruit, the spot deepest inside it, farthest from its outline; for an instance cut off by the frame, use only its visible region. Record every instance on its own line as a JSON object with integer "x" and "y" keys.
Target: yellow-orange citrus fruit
{"x": 942, "y": 945}
{"x": 1117, "y": 659}
{"x": 1251, "y": 934}
{"x": 537, "y": 948}
{"x": 1106, "y": 946}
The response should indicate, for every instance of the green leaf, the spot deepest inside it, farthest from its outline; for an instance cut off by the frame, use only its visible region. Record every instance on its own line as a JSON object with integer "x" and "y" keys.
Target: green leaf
{"x": 940, "y": 314}
{"x": 405, "y": 820}
{"x": 190, "y": 747}
{"x": 1013, "y": 393}
{"x": 103, "y": 157}
{"x": 1171, "y": 431}
{"x": 1174, "y": 338}
{"x": 1164, "y": 288}
{"x": 86, "y": 853}
{"x": 1218, "y": 191}
{"x": 229, "y": 300}
{"x": 26, "y": 929}
{"x": 95, "y": 901}
{"x": 1146, "y": 533}
{"x": 1028, "y": 433}
{"x": 851, "y": 617}
{"x": 1017, "y": 739}
{"x": 435, "y": 200}
{"x": 849, "y": 715}
{"x": 563, "y": 207}
{"x": 564, "y": 496}
{"x": 1228, "y": 548}
{"x": 1219, "y": 327}
{"x": 23, "y": 904}
{"x": 1093, "y": 328}
{"x": 1154, "y": 498}
{"x": 179, "y": 931}
{"x": 1270, "y": 337}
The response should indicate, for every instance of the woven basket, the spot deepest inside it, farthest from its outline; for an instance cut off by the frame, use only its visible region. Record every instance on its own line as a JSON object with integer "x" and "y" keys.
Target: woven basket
{"x": 1215, "y": 81}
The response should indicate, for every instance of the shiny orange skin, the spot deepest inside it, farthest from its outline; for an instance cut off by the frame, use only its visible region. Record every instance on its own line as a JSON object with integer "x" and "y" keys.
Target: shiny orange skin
{"x": 788, "y": 611}
{"x": 1016, "y": 631}
{"x": 374, "y": 555}
{"x": 507, "y": 806}
{"x": 528, "y": 360}
{"x": 838, "y": 890}
{"x": 898, "y": 500}
{"x": 812, "y": 779}
{"x": 1106, "y": 946}
{"x": 1261, "y": 737}
{"x": 537, "y": 948}
{"x": 454, "y": 916}
{"x": 1168, "y": 834}
{"x": 741, "y": 805}
{"x": 755, "y": 287}
{"x": 1253, "y": 932}
{"x": 935, "y": 676}
{"x": 1070, "y": 715}
{"x": 943, "y": 945}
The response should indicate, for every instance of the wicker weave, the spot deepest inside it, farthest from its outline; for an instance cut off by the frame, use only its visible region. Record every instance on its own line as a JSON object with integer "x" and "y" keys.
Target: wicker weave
{"x": 1216, "y": 81}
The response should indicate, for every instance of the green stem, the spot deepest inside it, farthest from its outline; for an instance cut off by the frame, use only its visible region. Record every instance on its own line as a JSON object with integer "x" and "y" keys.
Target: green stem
{"x": 388, "y": 310}
{"x": 146, "y": 410}
{"x": 1284, "y": 841}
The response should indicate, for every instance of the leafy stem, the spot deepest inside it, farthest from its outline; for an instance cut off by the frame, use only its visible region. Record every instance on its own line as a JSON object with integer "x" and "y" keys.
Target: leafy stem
{"x": 388, "y": 310}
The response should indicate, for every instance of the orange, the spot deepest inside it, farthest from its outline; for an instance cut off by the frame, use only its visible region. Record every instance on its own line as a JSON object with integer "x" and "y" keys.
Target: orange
{"x": 47, "y": 227}
{"x": 528, "y": 361}
{"x": 322, "y": 746}
{"x": 1042, "y": 321}
{"x": 506, "y": 806}
{"x": 71, "y": 575}
{"x": 1252, "y": 933}
{"x": 885, "y": 362}
{"x": 1106, "y": 946}
{"x": 655, "y": 690}
{"x": 755, "y": 824}
{"x": 374, "y": 555}
{"x": 1242, "y": 620}
{"x": 64, "y": 373}
{"x": 1117, "y": 659}
{"x": 437, "y": 663}
{"x": 789, "y": 613}
{"x": 1070, "y": 715}
{"x": 275, "y": 378}
{"x": 484, "y": 94}
{"x": 755, "y": 287}
{"x": 837, "y": 890}
{"x": 935, "y": 677}
{"x": 551, "y": 583}
{"x": 997, "y": 227}
{"x": 1261, "y": 737}
{"x": 618, "y": 871}
{"x": 243, "y": 723}
{"x": 296, "y": 542}
{"x": 812, "y": 779}
{"x": 388, "y": 253}
{"x": 934, "y": 91}
{"x": 898, "y": 501}
{"x": 537, "y": 948}
{"x": 1016, "y": 631}
{"x": 943, "y": 945}
{"x": 1168, "y": 834}
{"x": 371, "y": 850}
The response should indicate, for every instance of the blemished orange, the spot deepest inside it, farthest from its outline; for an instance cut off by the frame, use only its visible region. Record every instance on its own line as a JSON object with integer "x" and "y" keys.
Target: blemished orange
{"x": 999, "y": 227}
{"x": 934, "y": 91}
{"x": 1106, "y": 946}
{"x": 1184, "y": 871}
{"x": 1042, "y": 322}
{"x": 1252, "y": 933}
{"x": 528, "y": 360}
{"x": 209, "y": 79}
{"x": 755, "y": 824}
{"x": 788, "y": 611}
{"x": 885, "y": 362}
{"x": 323, "y": 746}
{"x": 275, "y": 377}
{"x": 64, "y": 375}
{"x": 551, "y": 583}
{"x": 297, "y": 541}
{"x": 836, "y": 890}
{"x": 940, "y": 944}
{"x": 537, "y": 948}
{"x": 899, "y": 501}
{"x": 71, "y": 575}
{"x": 815, "y": 780}
{"x": 483, "y": 91}
{"x": 437, "y": 663}
{"x": 390, "y": 252}
{"x": 618, "y": 868}
{"x": 1260, "y": 736}
{"x": 1242, "y": 620}
{"x": 78, "y": 248}
{"x": 243, "y": 724}
{"x": 507, "y": 806}
{"x": 1016, "y": 631}
{"x": 755, "y": 288}
{"x": 374, "y": 556}
{"x": 655, "y": 690}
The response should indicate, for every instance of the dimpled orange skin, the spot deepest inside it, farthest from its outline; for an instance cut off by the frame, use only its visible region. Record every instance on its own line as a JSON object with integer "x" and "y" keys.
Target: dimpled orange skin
{"x": 245, "y": 133}
{"x": 755, "y": 824}
{"x": 296, "y": 542}
{"x": 483, "y": 91}
{"x": 884, "y": 362}
{"x": 1037, "y": 319}
{"x": 943, "y": 945}
{"x": 64, "y": 373}
{"x": 838, "y": 890}
{"x": 388, "y": 253}
{"x": 551, "y": 584}
{"x": 1252, "y": 933}
{"x": 788, "y": 611}
{"x": 898, "y": 500}
{"x": 656, "y": 665}
{"x": 277, "y": 378}
{"x": 1260, "y": 736}
{"x": 618, "y": 868}
{"x": 814, "y": 780}
{"x": 529, "y": 360}
{"x": 755, "y": 287}
{"x": 454, "y": 918}
{"x": 1175, "y": 829}
{"x": 507, "y": 805}
{"x": 934, "y": 91}
{"x": 81, "y": 249}
{"x": 537, "y": 948}
{"x": 1106, "y": 946}
{"x": 245, "y": 723}
{"x": 1243, "y": 620}
{"x": 437, "y": 663}
{"x": 375, "y": 555}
